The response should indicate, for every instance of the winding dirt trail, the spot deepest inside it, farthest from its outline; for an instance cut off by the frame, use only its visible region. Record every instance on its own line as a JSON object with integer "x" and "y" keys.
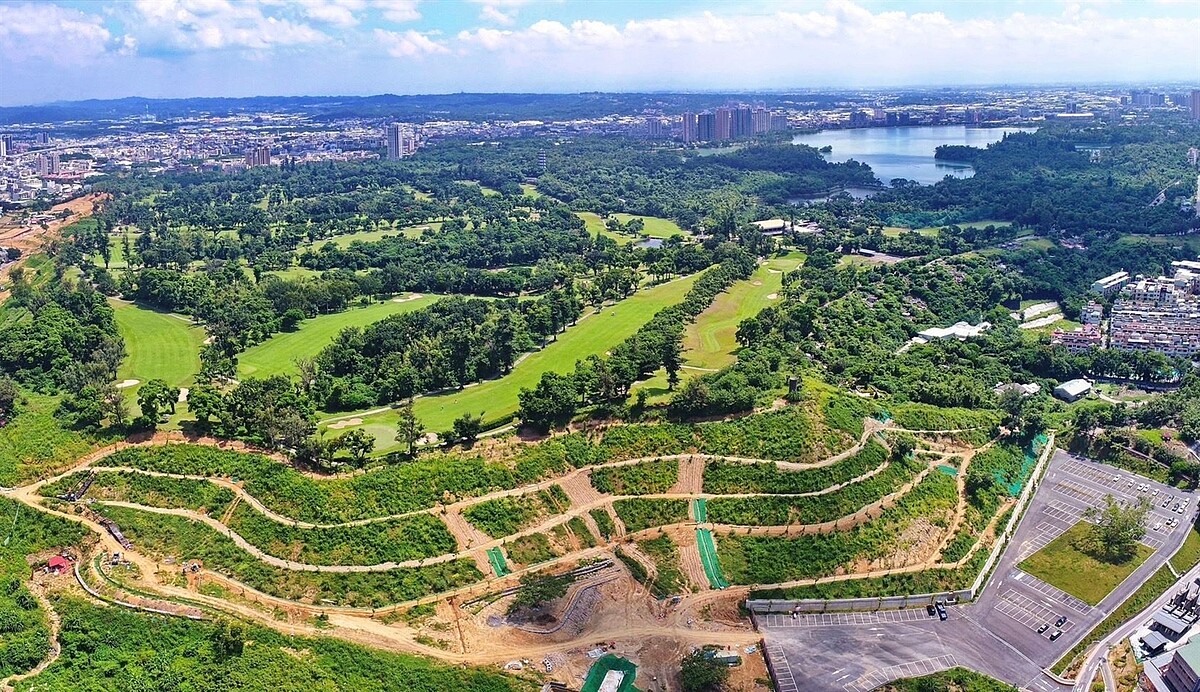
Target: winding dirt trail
{"x": 359, "y": 624}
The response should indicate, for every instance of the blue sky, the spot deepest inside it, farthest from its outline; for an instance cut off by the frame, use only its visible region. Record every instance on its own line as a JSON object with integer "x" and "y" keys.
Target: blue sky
{"x": 72, "y": 49}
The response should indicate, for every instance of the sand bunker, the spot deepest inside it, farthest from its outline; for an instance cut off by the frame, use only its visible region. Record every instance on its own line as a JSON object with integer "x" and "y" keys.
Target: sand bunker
{"x": 127, "y": 384}
{"x": 756, "y": 283}
{"x": 405, "y": 299}
{"x": 774, "y": 271}
{"x": 773, "y": 296}
{"x": 346, "y": 424}
{"x": 183, "y": 394}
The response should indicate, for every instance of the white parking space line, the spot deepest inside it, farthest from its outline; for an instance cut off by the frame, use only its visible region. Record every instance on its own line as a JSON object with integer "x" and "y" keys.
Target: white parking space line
{"x": 1055, "y": 594}
{"x": 1030, "y": 613}
{"x": 875, "y": 678}
{"x": 784, "y": 681}
{"x": 779, "y": 621}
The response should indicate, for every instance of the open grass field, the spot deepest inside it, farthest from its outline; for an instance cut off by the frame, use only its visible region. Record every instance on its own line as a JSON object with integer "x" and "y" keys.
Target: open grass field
{"x": 294, "y": 273}
{"x": 894, "y": 231}
{"x": 595, "y": 225}
{"x": 530, "y": 191}
{"x": 710, "y": 342}
{"x": 278, "y": 355}
{"x": 595, "y": 333}
{"x": 1191, "y": 242}
{"x": 1063, "y": 565}
{"x": 419, "y": 194}
{"x": 344, "y": 241}
{"x": 158, "y": 345}
{"x": 487, "y": 191}
{"x": 655, "y": 227}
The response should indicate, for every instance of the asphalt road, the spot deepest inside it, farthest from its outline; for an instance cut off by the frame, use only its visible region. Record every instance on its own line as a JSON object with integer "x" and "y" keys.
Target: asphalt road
{"x": 996, "y": 635}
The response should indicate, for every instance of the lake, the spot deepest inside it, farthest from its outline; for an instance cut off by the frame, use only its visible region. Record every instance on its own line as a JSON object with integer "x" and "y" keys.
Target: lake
{"x": 905, "y": 152}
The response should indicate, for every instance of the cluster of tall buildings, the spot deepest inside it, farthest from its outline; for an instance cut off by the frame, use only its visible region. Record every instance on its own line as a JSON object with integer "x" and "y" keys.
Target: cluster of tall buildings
{"x": 47, "y": 164}
{"x": 1149, "y": 314}
{"x": 258, "y": 156}
{"x": 401, "y": 141}
{"x": 1153, "y": 99}
{"x": 730, "y": 122}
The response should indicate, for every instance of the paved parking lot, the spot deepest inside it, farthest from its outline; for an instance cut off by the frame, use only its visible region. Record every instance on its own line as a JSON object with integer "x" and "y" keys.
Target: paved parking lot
{"x": 998, "y": 634}
{"x": 839, "y": 619}
{"x": 1071, "y": 485}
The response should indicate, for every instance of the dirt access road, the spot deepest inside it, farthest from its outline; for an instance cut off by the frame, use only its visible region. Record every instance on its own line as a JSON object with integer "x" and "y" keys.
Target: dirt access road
{"x": 28, "y": 238}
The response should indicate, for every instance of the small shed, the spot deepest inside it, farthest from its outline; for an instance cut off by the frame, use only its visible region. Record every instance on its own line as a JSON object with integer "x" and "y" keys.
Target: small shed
{"x": 58, "y": 564}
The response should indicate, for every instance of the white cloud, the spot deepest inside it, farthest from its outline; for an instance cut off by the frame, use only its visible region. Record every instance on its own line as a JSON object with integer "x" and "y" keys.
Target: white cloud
{"x": 398, "y": 11}
{"x": 408, "y": 44}
{"x": 54, "y": 34}
{"x": 502, "y": 12}
{"x": 841, "y": 43}
{"x": 341, "y": 13}
{"x": 193, "y": 25}
{"x": 491, "y": 13}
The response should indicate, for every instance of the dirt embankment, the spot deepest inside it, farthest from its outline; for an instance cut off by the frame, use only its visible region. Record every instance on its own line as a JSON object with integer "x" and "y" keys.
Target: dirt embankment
{"x": 28, "y": 238}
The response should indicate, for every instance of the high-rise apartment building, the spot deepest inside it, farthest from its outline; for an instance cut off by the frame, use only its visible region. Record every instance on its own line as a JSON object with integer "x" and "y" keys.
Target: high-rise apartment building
{"x": 688, "y": 132}
{"x": 47, "y": 164}
{"x": 762, "y": 120}
{"x": 258, "y": 156}
{"x": 42, "y": 138}
{"x": 724, "y": 124}
{"x": 1194, "y": 102}
{"x": 654, "y": 127}
{"x": 706, "y": 127}
{"x": 743, "y": 122}
{"x": 401, "y": 141}
{"x": 5, "y": 145}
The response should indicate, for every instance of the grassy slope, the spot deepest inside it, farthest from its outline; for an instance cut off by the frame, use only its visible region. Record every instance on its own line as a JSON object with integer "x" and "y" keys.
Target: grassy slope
{"x": 34, "y": 445}
{"x": 278, "y": 354}
{"x": 1062, "y": 565}
{"x": 158, "y": 345}
{"x": 594, "y": 334}
{"x": 710, "y": 341}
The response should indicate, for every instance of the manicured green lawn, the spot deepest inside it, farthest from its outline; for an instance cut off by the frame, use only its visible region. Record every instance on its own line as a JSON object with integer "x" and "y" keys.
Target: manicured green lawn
{"x": 344, "y": 241}
{"x": 530, "y": 190}
{"x": 710, "y": 341}
{"x": 595, "y": 225}
{"x": 278, "y": 354}
{"x": 655, "y": 227}
{"x": 495, "y": 398}
{"x": 487, "y": 191}
{"x": 1064, "y": 566}
{"x": 932, "y": 230}
{"x": 294, "y": 273}
{"x": 158, "y": 345}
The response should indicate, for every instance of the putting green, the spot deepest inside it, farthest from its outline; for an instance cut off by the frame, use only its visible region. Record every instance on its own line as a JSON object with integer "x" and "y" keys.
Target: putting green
{"x": 278, "y": 355}
{"x": 595, "y": 333}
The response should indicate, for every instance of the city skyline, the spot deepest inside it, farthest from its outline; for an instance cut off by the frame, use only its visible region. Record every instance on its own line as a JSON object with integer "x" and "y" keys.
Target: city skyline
{"x": 182, "y": 48}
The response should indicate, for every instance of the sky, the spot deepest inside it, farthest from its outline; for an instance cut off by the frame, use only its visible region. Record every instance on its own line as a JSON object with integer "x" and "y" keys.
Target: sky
{"x": 53, "y": 50}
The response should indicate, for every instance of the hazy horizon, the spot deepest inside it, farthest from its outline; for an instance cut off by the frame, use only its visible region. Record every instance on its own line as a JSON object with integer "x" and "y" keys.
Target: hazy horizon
{"x": 73, "y": 50}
